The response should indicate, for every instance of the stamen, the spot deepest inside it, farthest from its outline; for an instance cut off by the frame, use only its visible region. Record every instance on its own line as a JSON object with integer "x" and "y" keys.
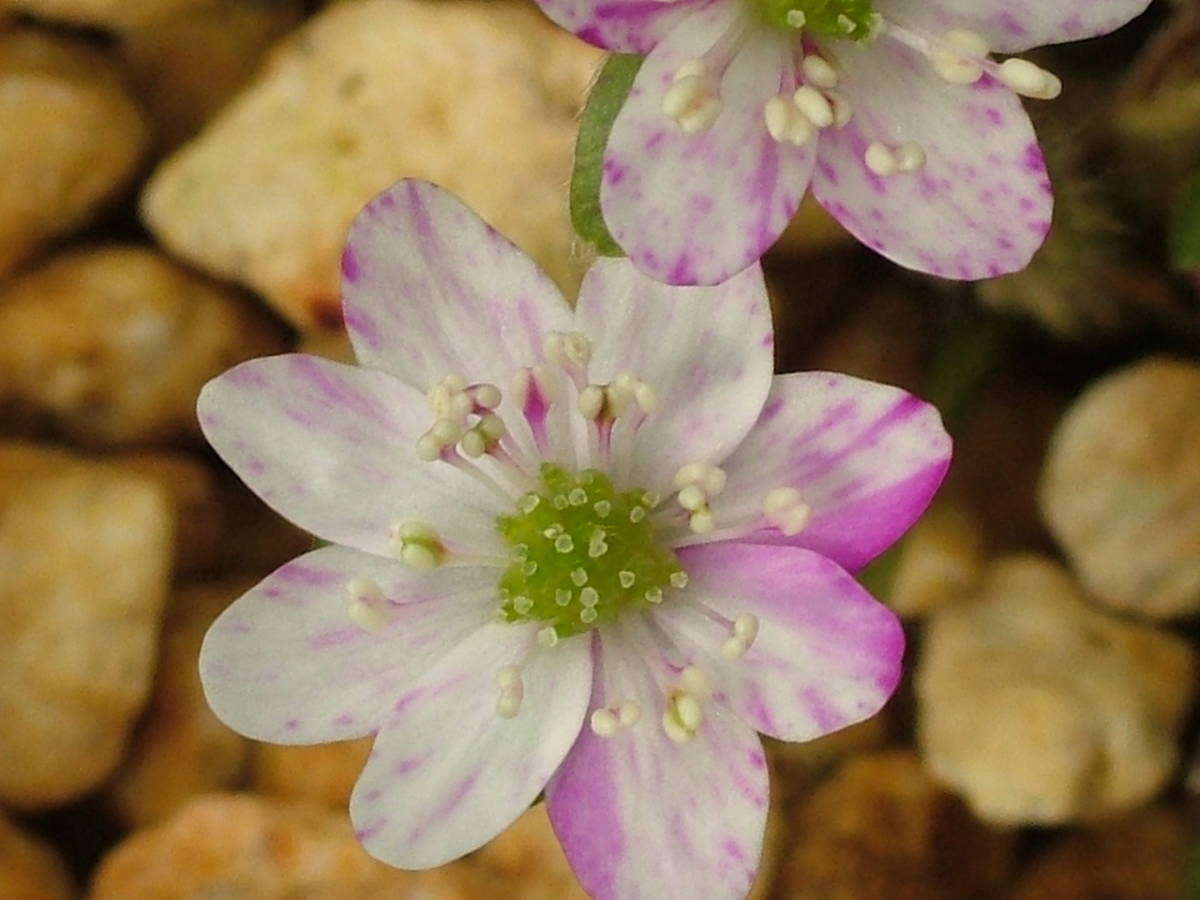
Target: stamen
{"x": 417, "y": 545}
{"x": 368, "y": 608}
{"x": 695, "y": 682}
{"x": 606, "y": 721}
{"x": 630, "y": 713}
{"x": 959, "y": 56}
{"x": 784, "y": 508}
{"x": 1030, "y": 80}
{"x": 682, "y": 717}
{"x": 745, "y": 630}
{"x": 818, "y": 72}
{"x": 693, "y": 99}
{"x": 698, "y": 483}
{"x": 880, "y": 159}
{"x": 512, "y": 691}
{"x": 814, "y": 105}
{"x": 787, "y": 124}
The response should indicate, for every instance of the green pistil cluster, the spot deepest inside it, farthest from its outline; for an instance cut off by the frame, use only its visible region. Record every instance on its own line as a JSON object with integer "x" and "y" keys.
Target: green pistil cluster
{"x": 854, "y": 20}
{"x": 581, "y": 553}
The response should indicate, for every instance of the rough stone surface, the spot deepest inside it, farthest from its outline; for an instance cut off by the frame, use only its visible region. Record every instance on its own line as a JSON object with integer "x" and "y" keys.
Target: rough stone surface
{"x": 1041, "y": 710}
{"x": 114, "y": 14}
{"x": 85, "y": 553}
{"x": 70, "y": 138}
{"x": 322, "y": 773}
{"x": 480, "y": 97}
{"x": 29, "y": 870}
{"x": 115, "y": 344}
{"x": 1121, "y": 488}
{"x": 180, "y": 749}
{"x": 940, "y": 560}
{"x": 1141, "y": 857}
{"x": 243, "y": 847}
{"x": 880, "y": 829}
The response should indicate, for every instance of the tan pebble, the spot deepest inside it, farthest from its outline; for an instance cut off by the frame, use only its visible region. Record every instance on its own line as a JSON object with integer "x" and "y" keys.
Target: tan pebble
{"x": 111, "y": 346}
{"x": 1041, "y": 710}
{"x": 1139, "y": 857}
{"x": 479, "y": 97}
{"x": 29, "y": 869}
{"x": 180, "y": 749}
{"x": 1121, "y": 488}
{"x": 322, "y": 773}
{"x": 85, "y": 552}
{"x": 880, "y": 829}
{"x": 114, "y": 14}
{"x": 71, "y": 139}
{"x": 245, "y": 847}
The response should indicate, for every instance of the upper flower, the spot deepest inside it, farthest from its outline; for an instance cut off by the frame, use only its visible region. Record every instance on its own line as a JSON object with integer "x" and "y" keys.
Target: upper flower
{"x": 910, "y": 134}
{"x": 589, "y": 552}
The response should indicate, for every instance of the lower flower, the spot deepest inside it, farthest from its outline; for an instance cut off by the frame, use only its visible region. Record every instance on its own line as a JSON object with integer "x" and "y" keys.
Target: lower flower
{"x": 585, "y": 552}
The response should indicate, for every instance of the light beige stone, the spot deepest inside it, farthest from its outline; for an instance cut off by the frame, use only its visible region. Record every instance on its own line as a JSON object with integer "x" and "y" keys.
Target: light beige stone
{"x": 71, "y": 139}
{"x": 180, "y": 749}
{"x": 1121, "y": 488}
{"x": 321, "y": 773}
{"x": 111, "y": 345}
{"x": 244, "y": 847}
{"x": 1041, "y": 710}
{"x": 192, "y": 488}
{"x": 880, "y": 829}
{"x": 185, "y": 63}
{"x": 940, "y": 560}
{"x": 85, "y": 553}
{"x": 480, "y": 97}
{"x": 114, "y": 14}
{"x": 30, "y": 870}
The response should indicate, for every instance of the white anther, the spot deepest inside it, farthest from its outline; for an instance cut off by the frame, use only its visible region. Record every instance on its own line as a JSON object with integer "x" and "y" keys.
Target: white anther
{"x": 647, "y": 398}
{"x": 713, "y": 481}
{"x": 486, "y": 395}
{"x": 429, "y": 447}
{"x": 796, "y": 18}
{"x": 473, "y": 444}
{"x": 960, "y": 55}
{"x": 813, "y": 105}
{"x": 589, "y": 597}
{"x": 626, "y": 578}
{"x": 417, "y": 545}
{"x": 604, "y": 722}
{"x": 508, "y": 704}
{"x": 693, "y": 497}
{"x": 508, "y": 676}
{"x": 682, "y": 717}
{"x": 842, "y": 110}
{"x": 818, "y": 72}
{"x": 702, "y": 521}
{"x": 447, "y": 430}
{"x": 629, "y": 712}
{"x": 801, "y": 130}
{"x": 695, "y": 682}
{"x": 777, "y": 114}
{"x": 692, "y": 473}
{"x": 1030, "y": 80}
{"x": 733, "y": 649}
{"x": 368, "y": 608}
{"x": 745, "y": 626}
{"x": 692, "y": 99}
{"x": 880, "y": 159}
{"x": 591, "y": 401}
{"x": 419, "y": 557}
{"x": 548, "y": 636}
{"x": 784, "y": 508}
{"x": 910, "y": 157}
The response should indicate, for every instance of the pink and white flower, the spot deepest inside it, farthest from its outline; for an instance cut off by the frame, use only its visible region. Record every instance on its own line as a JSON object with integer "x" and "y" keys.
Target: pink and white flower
{"x": 892, "y": 111}
{"x": 599, "y": 580}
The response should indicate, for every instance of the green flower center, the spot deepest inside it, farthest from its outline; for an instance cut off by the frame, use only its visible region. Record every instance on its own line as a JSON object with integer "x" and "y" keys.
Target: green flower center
{"x": 854, "y": 20}
{"x": 582, "y": 553}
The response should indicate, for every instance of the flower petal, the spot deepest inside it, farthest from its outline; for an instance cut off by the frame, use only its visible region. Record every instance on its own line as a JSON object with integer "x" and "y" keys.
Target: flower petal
{"x": 865, "y": 457}
{"x": 979, "y": 207}
{"x": 827, "y": 654}
{"x": 332, "y": 448}
{"x": 625, "y": 26}
{"x": 429, "y": 289}
{"x": 284, "y": 662}
{"x": 696, "y": 208}
{"x": 706, "y": 352}
{"x": 447, "y": 773}
{"x": 637, "y": 811}
{"x": 1010, "y": 26}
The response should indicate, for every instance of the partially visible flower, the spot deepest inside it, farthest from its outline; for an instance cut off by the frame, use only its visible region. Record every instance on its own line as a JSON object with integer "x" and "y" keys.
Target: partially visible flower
{"x": 909, "y": 133}
{"x": 584, "y": 552}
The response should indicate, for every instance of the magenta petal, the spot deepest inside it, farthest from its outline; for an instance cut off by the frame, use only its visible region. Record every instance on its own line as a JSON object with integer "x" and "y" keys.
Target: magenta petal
{"x": 332, "y": 448}
{"x": 626, "y": 26}
{"x": 447, "y": 773}
{"x": 981, "y": 205}
{"x": 1010, "y": 26}
{"x": 866, "y": 458}
{"x": 285, "y": 663}
{"x": 697, "y": 208}
{"x": 827, "y": 654}
{"x": 642, "y": 818}
{"x": 429, "y": 290}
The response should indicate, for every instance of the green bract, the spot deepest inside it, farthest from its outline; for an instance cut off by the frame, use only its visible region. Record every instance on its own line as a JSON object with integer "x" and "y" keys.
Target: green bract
{"x": 582, "y": 553}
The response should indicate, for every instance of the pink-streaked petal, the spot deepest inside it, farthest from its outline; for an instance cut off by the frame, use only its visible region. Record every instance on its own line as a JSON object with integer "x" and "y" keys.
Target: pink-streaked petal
{"x": 696, "y": 208}
{"x": 332, "y": 448}
{"x": 706, "y": 352}
{"x": 624, "y": 26}
{"x": 447, "y": 773}
{"x": 827, "y": 654}
{"x": 641, "y": 817}
{"x": 865, "y": 457}
{"x": 430, "y": 289}
{"x": 1010, "y": 26}
{"x": 982, "y": 203}
{"x": 284, "y": 663}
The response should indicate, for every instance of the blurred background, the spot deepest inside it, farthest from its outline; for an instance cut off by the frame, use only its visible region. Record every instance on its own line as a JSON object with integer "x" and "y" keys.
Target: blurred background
{"x": 176, "y": 178}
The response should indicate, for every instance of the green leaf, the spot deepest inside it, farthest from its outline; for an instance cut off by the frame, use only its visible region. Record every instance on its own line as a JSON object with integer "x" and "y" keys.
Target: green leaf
{"x": 604, "y": 102}
{"x": 1184, "y": 234}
